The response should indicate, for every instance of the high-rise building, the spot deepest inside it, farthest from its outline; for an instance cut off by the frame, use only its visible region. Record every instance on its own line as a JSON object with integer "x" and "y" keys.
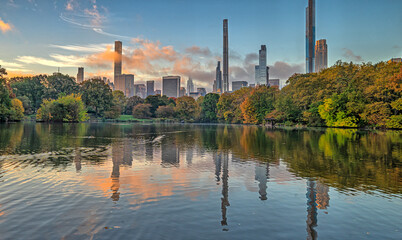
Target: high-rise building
{"x": 225, "y": 56}
{"x": 182, "y": 91}
{"x": 310, "y": 36}
{"x": 80, "y": 75}
{"x": 140, "y": 90}
{"x": 395, "y": 60}
{"x": 171, "y": 86}
{"x": 202, "y": 91}
{"x": 190, "y": 86}
{"x": 219, "y": 84}
{"x": 321, "y": 55}
{"x": 261, "y": 71}
{"x": 125, "y": 83}
{"x": 150, "y": 88}
{"x": 118, "y": 49}
{"x": 273, "y": 82}
{"x": 158, "y": 92}
{"x": 236, "y": 85}
{"x": 214, "y": 87}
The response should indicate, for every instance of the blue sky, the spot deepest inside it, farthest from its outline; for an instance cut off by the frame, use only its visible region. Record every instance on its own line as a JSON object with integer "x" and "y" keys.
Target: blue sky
{"x": 185, "y": 37}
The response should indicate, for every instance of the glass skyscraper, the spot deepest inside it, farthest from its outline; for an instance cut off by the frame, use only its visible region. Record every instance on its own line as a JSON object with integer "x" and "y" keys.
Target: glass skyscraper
{"x": 310, "y": 36}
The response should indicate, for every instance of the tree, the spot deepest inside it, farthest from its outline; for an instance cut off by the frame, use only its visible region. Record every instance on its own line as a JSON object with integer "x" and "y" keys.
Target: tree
{"x": 5, "y": 102}
{"x": 258, "y": 104}
{"x": 30, "y": 87}
{"x": 17, "y": 110}
{"x": 228, "y": 105}
{"x": 65, "y": 109}
{"x": 119, "y": 100}
{"x": 131, "y": 103}
{"x": 209, "y": 107}
{"x": 97, "y": 96}
{"x": 57, "y": 84}
{"x": 142, "y": 111}
{"x": 165, "y": 112}
{"x": 2, "y": 72}
{"x": 26, "y": 103}
{"x": 187, "y": 109}
{"x": 156, "y": 101}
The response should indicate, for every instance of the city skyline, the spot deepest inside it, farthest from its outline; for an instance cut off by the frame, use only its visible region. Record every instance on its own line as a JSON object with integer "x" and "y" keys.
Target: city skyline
{"x": 64, "y": 40}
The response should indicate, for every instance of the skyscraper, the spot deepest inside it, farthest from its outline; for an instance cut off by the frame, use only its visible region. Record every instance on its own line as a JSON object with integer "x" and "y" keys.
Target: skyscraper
{"x": 219, "y": 78}
{"x": 125, "y": 83}
{"x": 80, "y": 75}
{"x": 171, "y": 86}
{"x": 118, "y": 46}
{"x": 190, "y": 86}
{"x": 225, "y": 56}
{"x": 261, "y": 71}
{"x": 150, "y": 88}
{"x": 321, "y": 55}
{"x": 236, "y": 85}
{"x": 310, "y": 36}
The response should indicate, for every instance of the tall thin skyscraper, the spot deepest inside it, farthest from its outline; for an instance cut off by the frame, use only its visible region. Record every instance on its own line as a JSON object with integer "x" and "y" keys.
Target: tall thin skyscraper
{"x": 225, "y": 56}
{"x": 261, "y": 71}
{"x": 190, "y": 86}
{"x": 219, "y": 78}
{"x": 310, "y": 36}
{"x": 118, "y": 46}
{"x": 80, "y": 75}
{"x": 321, "y": 55}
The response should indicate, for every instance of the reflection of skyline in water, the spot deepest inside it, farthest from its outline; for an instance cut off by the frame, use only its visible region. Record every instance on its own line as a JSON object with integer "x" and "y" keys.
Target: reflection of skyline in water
{"x": 136, "y": 170}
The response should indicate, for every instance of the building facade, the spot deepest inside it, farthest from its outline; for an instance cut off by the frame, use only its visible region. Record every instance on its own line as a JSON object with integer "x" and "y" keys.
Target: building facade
{"x": 171, "y": 86}
{"x": 190, "y": 86}
{"x": 219, "y": 83}
{"x": 125, "y": 83}
{"x": 236, "y": 85}
{"x": 202, "y": 91}
{"x": 118, "y": 50}
{"x": 150, "y": 88}
{"x": 80, "y": 75}
{"x": 321, "y": 55}
{"x": 395, "y": 60}
{"x": 310, "y": 36}
{"x": 274, "y": 83}
{"x": 140, "y": 90}
{"x": 182, "y": 92}
{"x": 225, "y": 56}
{"x": 261, "y": 70}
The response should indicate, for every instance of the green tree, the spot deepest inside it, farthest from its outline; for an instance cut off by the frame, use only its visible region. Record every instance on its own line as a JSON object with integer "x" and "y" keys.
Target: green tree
{"x": 59, "y": 84}
{"x": 30, "y": 87}
{"x": 5, "y": 102}
{"x": 156, "y": 101}
{"x": 142, "y": 111}
{"x": 97, "y": 96}
{"x": 131, "y": 103}
{"x": 209, "y": 108}
{"x": 65, "y": 109}
{"x": 187, "y": 109}
{"x": 119, "y": 100}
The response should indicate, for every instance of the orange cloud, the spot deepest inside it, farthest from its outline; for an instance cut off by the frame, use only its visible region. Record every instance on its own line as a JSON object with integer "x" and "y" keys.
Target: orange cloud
{"x": 5, "y": 27}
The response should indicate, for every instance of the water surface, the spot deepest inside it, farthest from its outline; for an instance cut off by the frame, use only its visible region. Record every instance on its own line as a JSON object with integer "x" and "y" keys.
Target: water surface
{"x": 150, "y": 181}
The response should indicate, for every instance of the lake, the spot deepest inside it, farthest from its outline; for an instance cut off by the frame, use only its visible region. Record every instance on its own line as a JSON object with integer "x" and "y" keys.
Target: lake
{"x": 189, "y": 181}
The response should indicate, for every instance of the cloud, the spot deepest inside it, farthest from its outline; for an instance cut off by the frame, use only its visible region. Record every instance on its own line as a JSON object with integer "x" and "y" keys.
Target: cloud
{"x": 5, "y": 27}
{"x": 57, "y": 61}
{"x": 350, "y": 55}
{"x": 10, "y": 64}
{"x": 71, "y": 4}
{"x": 85, "y": 48}
{"x": 198, "y": 51}
{"x": 283, "y": 70}
{"x": 251, "y": 58}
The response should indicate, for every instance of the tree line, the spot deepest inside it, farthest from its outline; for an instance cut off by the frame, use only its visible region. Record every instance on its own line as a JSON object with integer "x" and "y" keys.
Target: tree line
{"x": 345, "y": 95}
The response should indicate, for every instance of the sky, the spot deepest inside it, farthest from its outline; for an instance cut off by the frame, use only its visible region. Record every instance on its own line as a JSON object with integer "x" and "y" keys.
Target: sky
{"x": 184, "y": 37}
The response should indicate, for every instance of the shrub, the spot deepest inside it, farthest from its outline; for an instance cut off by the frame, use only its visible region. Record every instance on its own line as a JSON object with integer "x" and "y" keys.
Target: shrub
{"x": 65, "y": 109}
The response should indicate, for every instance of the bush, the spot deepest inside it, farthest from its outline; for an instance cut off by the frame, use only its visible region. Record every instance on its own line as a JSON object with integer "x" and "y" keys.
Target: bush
{"x": 142, "y": 111}
{"x": 165, "y": 112}
{"x": 65, "y": 109}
